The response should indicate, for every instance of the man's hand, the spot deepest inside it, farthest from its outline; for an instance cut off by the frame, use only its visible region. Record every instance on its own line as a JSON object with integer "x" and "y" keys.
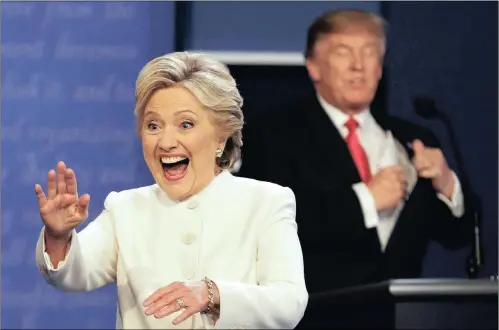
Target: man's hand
{"x": 388, "y": 187}
{"x": 430, "y": 164}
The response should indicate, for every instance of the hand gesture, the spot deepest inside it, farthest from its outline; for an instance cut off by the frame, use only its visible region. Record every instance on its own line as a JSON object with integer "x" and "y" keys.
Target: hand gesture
{"x": 430, "y": 164}
{"x": 61, "y": 210}
{"x": 191, "y": 296}
{"x": 388, "y": 187}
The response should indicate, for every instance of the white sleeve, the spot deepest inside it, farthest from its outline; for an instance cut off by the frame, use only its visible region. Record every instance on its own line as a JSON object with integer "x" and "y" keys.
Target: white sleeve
{"x": 456, "y": 203}
{"x": 367, "y": 204}
{"x": 280, "y": 298}
{"x": 90, "y": 261}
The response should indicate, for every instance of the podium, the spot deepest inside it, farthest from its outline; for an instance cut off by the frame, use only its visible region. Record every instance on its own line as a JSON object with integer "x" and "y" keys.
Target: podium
{"x": 406, "y": 304}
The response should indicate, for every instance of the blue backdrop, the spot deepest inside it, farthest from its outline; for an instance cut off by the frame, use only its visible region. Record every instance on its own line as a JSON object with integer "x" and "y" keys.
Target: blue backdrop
{"x": 68, "y": 73}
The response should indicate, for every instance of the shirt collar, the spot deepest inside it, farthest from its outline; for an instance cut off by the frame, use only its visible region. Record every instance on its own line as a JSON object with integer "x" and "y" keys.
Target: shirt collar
{"x": 339, "y": 118}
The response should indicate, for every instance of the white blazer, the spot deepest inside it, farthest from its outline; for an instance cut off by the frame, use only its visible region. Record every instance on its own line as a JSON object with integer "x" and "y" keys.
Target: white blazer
{"x": 241, "y": 233}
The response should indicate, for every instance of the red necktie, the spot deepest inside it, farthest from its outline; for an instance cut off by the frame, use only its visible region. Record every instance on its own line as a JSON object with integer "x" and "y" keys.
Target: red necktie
{"x": 356, "y": 150}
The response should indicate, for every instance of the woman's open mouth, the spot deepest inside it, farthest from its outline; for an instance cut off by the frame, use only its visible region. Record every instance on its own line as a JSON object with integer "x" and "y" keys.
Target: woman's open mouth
{"x": 174, "y": 168}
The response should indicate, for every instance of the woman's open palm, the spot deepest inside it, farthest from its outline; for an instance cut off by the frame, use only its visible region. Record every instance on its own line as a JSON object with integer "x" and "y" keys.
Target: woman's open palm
{"x": 61, "y": 210}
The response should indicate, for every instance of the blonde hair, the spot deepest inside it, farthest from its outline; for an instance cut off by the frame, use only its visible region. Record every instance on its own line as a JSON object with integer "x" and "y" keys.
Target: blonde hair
{"x": 211, "y": 83}
{"x": 338, "y": 21}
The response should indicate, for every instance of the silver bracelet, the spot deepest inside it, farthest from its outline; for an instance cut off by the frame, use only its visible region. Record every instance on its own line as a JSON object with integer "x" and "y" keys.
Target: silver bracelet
{"x": 211, "y": 295}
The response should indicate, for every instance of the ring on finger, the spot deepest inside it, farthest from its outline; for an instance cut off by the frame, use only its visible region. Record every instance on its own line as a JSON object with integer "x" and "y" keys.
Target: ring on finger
{"x": 180, "y": 302}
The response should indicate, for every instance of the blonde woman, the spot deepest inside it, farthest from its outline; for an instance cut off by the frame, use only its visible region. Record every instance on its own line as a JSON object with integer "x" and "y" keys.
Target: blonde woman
{"x": 199, "y": 249}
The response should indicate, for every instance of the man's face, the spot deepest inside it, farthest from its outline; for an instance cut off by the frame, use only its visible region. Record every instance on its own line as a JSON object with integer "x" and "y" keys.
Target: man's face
{"x": 346, "y": 68}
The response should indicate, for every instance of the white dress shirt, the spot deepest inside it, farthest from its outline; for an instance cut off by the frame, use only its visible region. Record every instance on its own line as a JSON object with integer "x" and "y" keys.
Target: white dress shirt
{"x": 239, "y": 232}
{"x": 381, "y": 152}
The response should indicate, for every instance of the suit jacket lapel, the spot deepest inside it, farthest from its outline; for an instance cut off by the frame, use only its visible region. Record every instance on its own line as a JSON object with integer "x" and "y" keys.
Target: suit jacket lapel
{"x": 331, "y": 147}
{"x": 405, "y": 155}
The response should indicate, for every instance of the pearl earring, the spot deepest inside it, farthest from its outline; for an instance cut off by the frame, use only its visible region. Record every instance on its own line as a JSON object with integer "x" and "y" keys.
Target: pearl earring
{"x": 219, "y": 152}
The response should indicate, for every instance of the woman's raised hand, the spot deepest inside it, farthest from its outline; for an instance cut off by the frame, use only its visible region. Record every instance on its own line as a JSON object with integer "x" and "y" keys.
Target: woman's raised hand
{"x": 61, "y": 210}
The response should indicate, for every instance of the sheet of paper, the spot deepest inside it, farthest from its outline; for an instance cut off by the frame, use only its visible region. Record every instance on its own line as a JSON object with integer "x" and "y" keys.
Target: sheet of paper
{"x": 387, "y": 154}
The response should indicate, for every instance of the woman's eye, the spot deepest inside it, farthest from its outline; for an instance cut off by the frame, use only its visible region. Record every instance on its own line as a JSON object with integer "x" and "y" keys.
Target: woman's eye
{"x": 152, "y": 126}
{"x": 186, "y": 125}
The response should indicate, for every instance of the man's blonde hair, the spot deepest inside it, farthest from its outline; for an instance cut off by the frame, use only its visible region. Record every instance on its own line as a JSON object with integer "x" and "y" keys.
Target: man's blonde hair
{"x": 339, "y": 21}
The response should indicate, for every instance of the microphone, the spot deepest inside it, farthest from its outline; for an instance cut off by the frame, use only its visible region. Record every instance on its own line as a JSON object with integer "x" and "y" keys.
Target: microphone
{"x": 426, "y": 108}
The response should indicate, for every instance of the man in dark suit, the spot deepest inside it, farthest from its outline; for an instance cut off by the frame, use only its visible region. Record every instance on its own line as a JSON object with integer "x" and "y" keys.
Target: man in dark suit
{"x": 371, "y": 192}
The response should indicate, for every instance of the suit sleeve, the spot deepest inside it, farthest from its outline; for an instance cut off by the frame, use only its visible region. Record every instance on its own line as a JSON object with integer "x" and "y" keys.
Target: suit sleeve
{"x": 455, "y": 203}
{"x": 367, "y": 204}
{"x": 453, "y": 232}
{"x": 91, "y": 260}
{"x": 280, "y": 298}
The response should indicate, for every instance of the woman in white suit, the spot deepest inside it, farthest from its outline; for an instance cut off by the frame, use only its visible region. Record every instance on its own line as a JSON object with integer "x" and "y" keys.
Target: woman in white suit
{"x": 200, "y": 249}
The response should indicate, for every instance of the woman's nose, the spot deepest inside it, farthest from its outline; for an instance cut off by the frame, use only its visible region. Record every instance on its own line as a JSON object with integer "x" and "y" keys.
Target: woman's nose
{"x": 168, "y": 140}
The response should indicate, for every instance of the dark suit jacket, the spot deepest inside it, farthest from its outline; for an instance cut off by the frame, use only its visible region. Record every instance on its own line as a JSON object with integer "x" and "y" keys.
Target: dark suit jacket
{"x": 299, "y": 147}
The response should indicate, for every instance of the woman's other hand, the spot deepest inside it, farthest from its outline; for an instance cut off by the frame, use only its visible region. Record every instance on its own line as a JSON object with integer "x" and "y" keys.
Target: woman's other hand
{"x": 193, "y": 297}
